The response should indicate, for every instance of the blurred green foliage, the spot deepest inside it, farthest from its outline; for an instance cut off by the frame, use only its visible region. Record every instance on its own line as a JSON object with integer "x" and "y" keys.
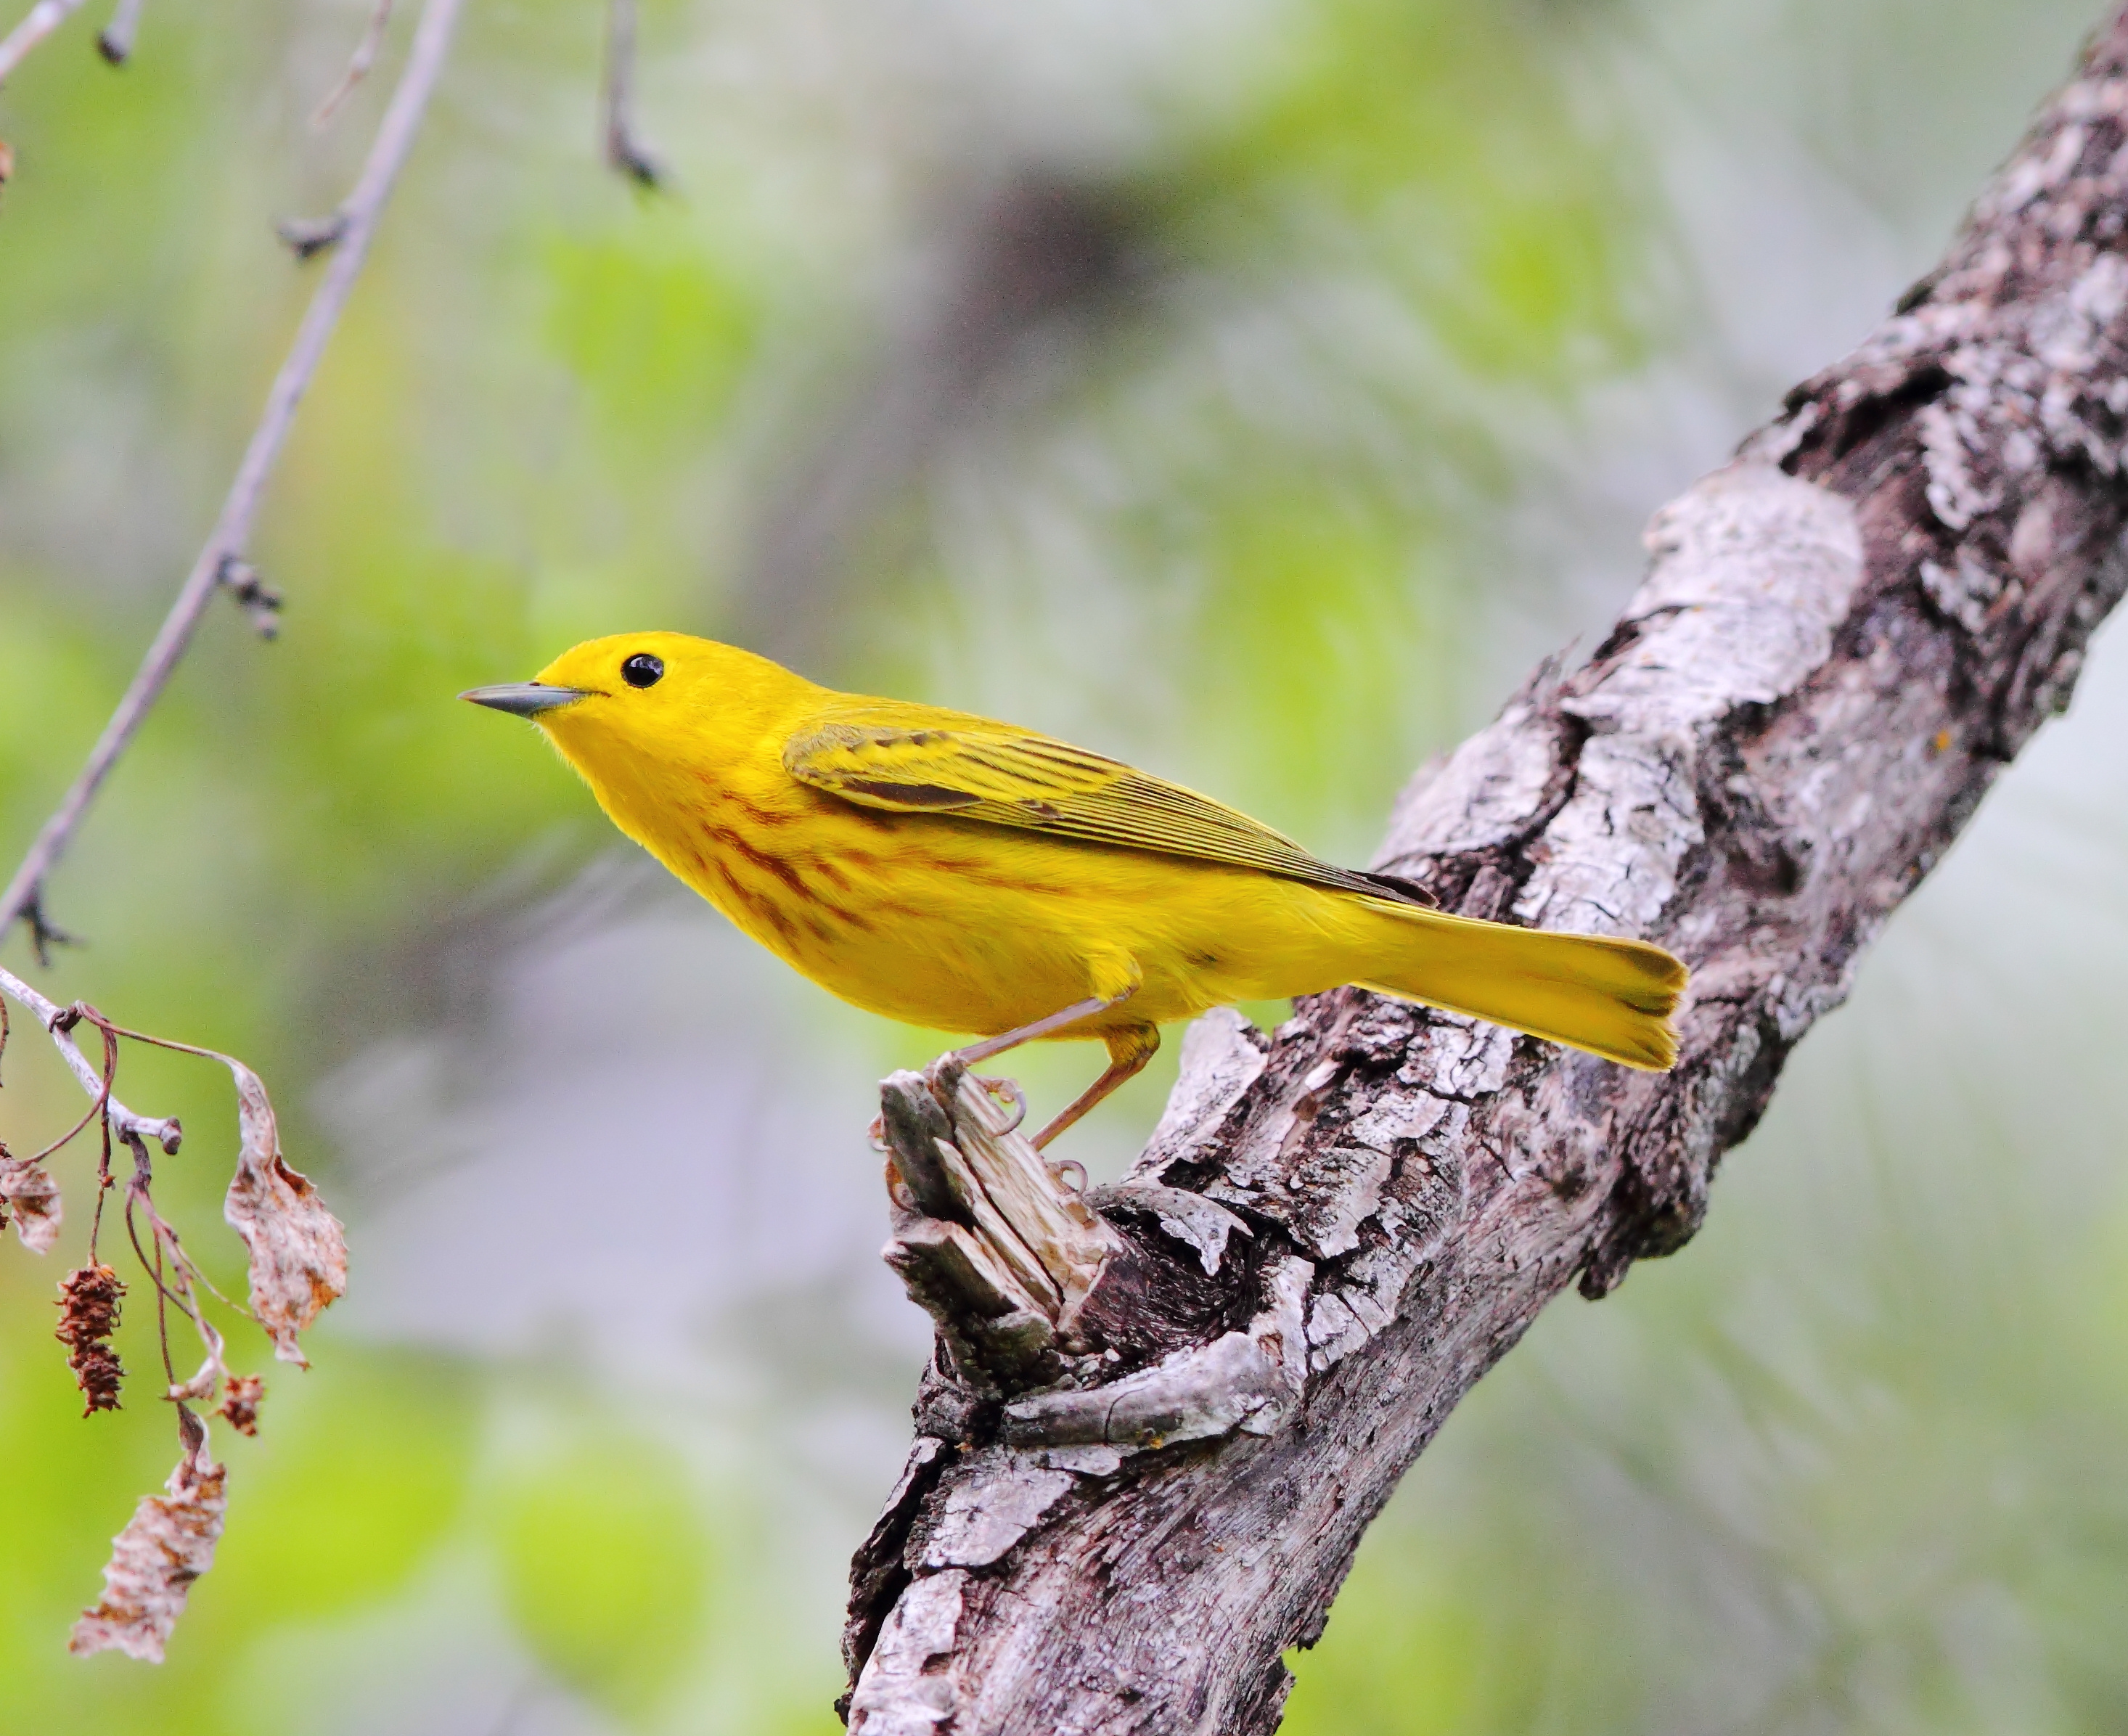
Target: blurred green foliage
{"x": 1286, "y": 499}
{"x": 606, "y": 1566}
{"x": 1448, "y": 133}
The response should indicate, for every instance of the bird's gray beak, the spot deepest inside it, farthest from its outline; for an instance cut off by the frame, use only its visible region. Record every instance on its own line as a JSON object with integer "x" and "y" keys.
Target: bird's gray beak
{"x": 526, "y": 698}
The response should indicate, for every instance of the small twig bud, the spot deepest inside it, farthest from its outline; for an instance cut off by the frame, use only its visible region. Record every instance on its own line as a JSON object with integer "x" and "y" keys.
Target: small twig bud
{"x": 309, "y": 236}
{"x": 260, "y": 600}
{"x": 45, "y": 934}
{"x": 624, "y": 152}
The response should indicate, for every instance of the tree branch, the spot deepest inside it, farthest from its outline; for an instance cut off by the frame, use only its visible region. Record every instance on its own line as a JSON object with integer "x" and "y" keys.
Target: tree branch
{"x": 358, "y": 63}
{"x": 125, "y": 1123}
{"x": 625, "y": 150}
{"x": 115, "y": 41}
{"x": 221, "y": 561}
{"x": 38, "y": 22}
{"x": 1843, "y": 638}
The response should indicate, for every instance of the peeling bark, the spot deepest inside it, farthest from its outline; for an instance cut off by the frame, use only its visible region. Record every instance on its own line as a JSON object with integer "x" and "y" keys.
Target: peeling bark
{"x": 1843, "y": 637}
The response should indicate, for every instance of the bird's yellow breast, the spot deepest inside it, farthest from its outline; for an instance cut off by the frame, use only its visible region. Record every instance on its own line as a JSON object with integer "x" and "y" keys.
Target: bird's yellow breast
{"x": 958, "y": 926}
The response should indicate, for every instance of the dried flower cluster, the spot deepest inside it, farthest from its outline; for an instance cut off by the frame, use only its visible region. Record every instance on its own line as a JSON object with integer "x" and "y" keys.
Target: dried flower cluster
{"x": 297, "y": 1266}
{"x": 89, "y": 1298}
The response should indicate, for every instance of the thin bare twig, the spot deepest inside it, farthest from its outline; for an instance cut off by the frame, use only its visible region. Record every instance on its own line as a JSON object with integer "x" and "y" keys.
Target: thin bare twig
{"x": 112, "y": 1034}
{"x": 177, "y": 1291}
{"x": 258, "y": 598}
{"x": 164, "y": 1132}
{"x": 96, "y": 1107}
{"x": 623, "y": 150}
{"x": 137, "y": 1190}
{"x": 38, "y": 22}
{"x": 220, "y": 562}
{"x": 115, "y": 41}
{"x": 359, "y": 64}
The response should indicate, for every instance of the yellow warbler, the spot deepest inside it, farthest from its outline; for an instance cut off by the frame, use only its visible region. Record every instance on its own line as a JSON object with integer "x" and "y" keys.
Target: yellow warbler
{"x": 964, "y": 875}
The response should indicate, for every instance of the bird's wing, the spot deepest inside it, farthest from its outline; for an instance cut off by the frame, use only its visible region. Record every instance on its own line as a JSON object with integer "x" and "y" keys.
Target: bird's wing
{"x": 969, "y": 771}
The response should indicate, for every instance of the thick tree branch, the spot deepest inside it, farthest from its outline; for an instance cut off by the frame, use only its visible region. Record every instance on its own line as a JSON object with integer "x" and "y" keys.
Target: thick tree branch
{"x": 221, "y": 561}
{"x": 1843, "y": 638}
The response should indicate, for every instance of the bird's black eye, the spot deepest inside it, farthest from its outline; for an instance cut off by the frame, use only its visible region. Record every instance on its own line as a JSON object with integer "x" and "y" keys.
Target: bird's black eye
{"x": 641, "y": 670}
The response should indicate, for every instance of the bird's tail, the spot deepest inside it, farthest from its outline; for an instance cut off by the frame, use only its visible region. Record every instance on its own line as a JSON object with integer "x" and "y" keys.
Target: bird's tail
{"x": 1612, "y": 997}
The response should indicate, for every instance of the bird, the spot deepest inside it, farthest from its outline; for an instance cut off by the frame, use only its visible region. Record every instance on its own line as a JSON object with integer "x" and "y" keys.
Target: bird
{"x": 972, "y": 876}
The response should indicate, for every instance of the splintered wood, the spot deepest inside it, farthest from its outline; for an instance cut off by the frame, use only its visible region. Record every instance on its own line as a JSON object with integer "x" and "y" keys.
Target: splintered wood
{"x": 998, "y": 1251}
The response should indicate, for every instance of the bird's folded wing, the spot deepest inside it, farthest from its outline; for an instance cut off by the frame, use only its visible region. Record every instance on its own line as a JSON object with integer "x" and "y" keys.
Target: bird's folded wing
{"x": 1030, "y": 782}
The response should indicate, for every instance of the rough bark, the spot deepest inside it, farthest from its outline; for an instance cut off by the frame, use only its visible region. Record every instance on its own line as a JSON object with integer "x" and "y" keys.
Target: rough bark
{"x": 1843, "y": 638}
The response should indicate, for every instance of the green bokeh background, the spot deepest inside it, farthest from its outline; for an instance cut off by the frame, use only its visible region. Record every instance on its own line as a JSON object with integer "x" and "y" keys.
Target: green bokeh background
{"x": 1378, "y": 330}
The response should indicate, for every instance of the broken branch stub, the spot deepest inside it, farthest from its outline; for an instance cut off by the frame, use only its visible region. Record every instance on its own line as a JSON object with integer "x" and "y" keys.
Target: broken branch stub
{"x": 1071, "y": 1339}
{"x": 1000, "y": 1252}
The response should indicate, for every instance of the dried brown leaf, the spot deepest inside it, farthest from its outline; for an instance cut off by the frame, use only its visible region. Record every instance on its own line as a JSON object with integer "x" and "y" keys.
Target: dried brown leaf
{"x": 35, "y": 1197}
{"x": 298, "y": 1249}
{"x": 240, "y": 1402}
{"x": 169, "y": 1543}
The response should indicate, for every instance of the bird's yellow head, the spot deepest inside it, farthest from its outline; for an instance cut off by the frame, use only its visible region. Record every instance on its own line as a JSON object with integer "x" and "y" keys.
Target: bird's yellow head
{"x": 634, "y": 710}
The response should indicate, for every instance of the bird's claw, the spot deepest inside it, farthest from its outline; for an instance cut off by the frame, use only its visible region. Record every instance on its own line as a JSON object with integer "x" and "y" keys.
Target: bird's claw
{"x": 1058, "y": 1169}
{"x": 1008, "y": 1090}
